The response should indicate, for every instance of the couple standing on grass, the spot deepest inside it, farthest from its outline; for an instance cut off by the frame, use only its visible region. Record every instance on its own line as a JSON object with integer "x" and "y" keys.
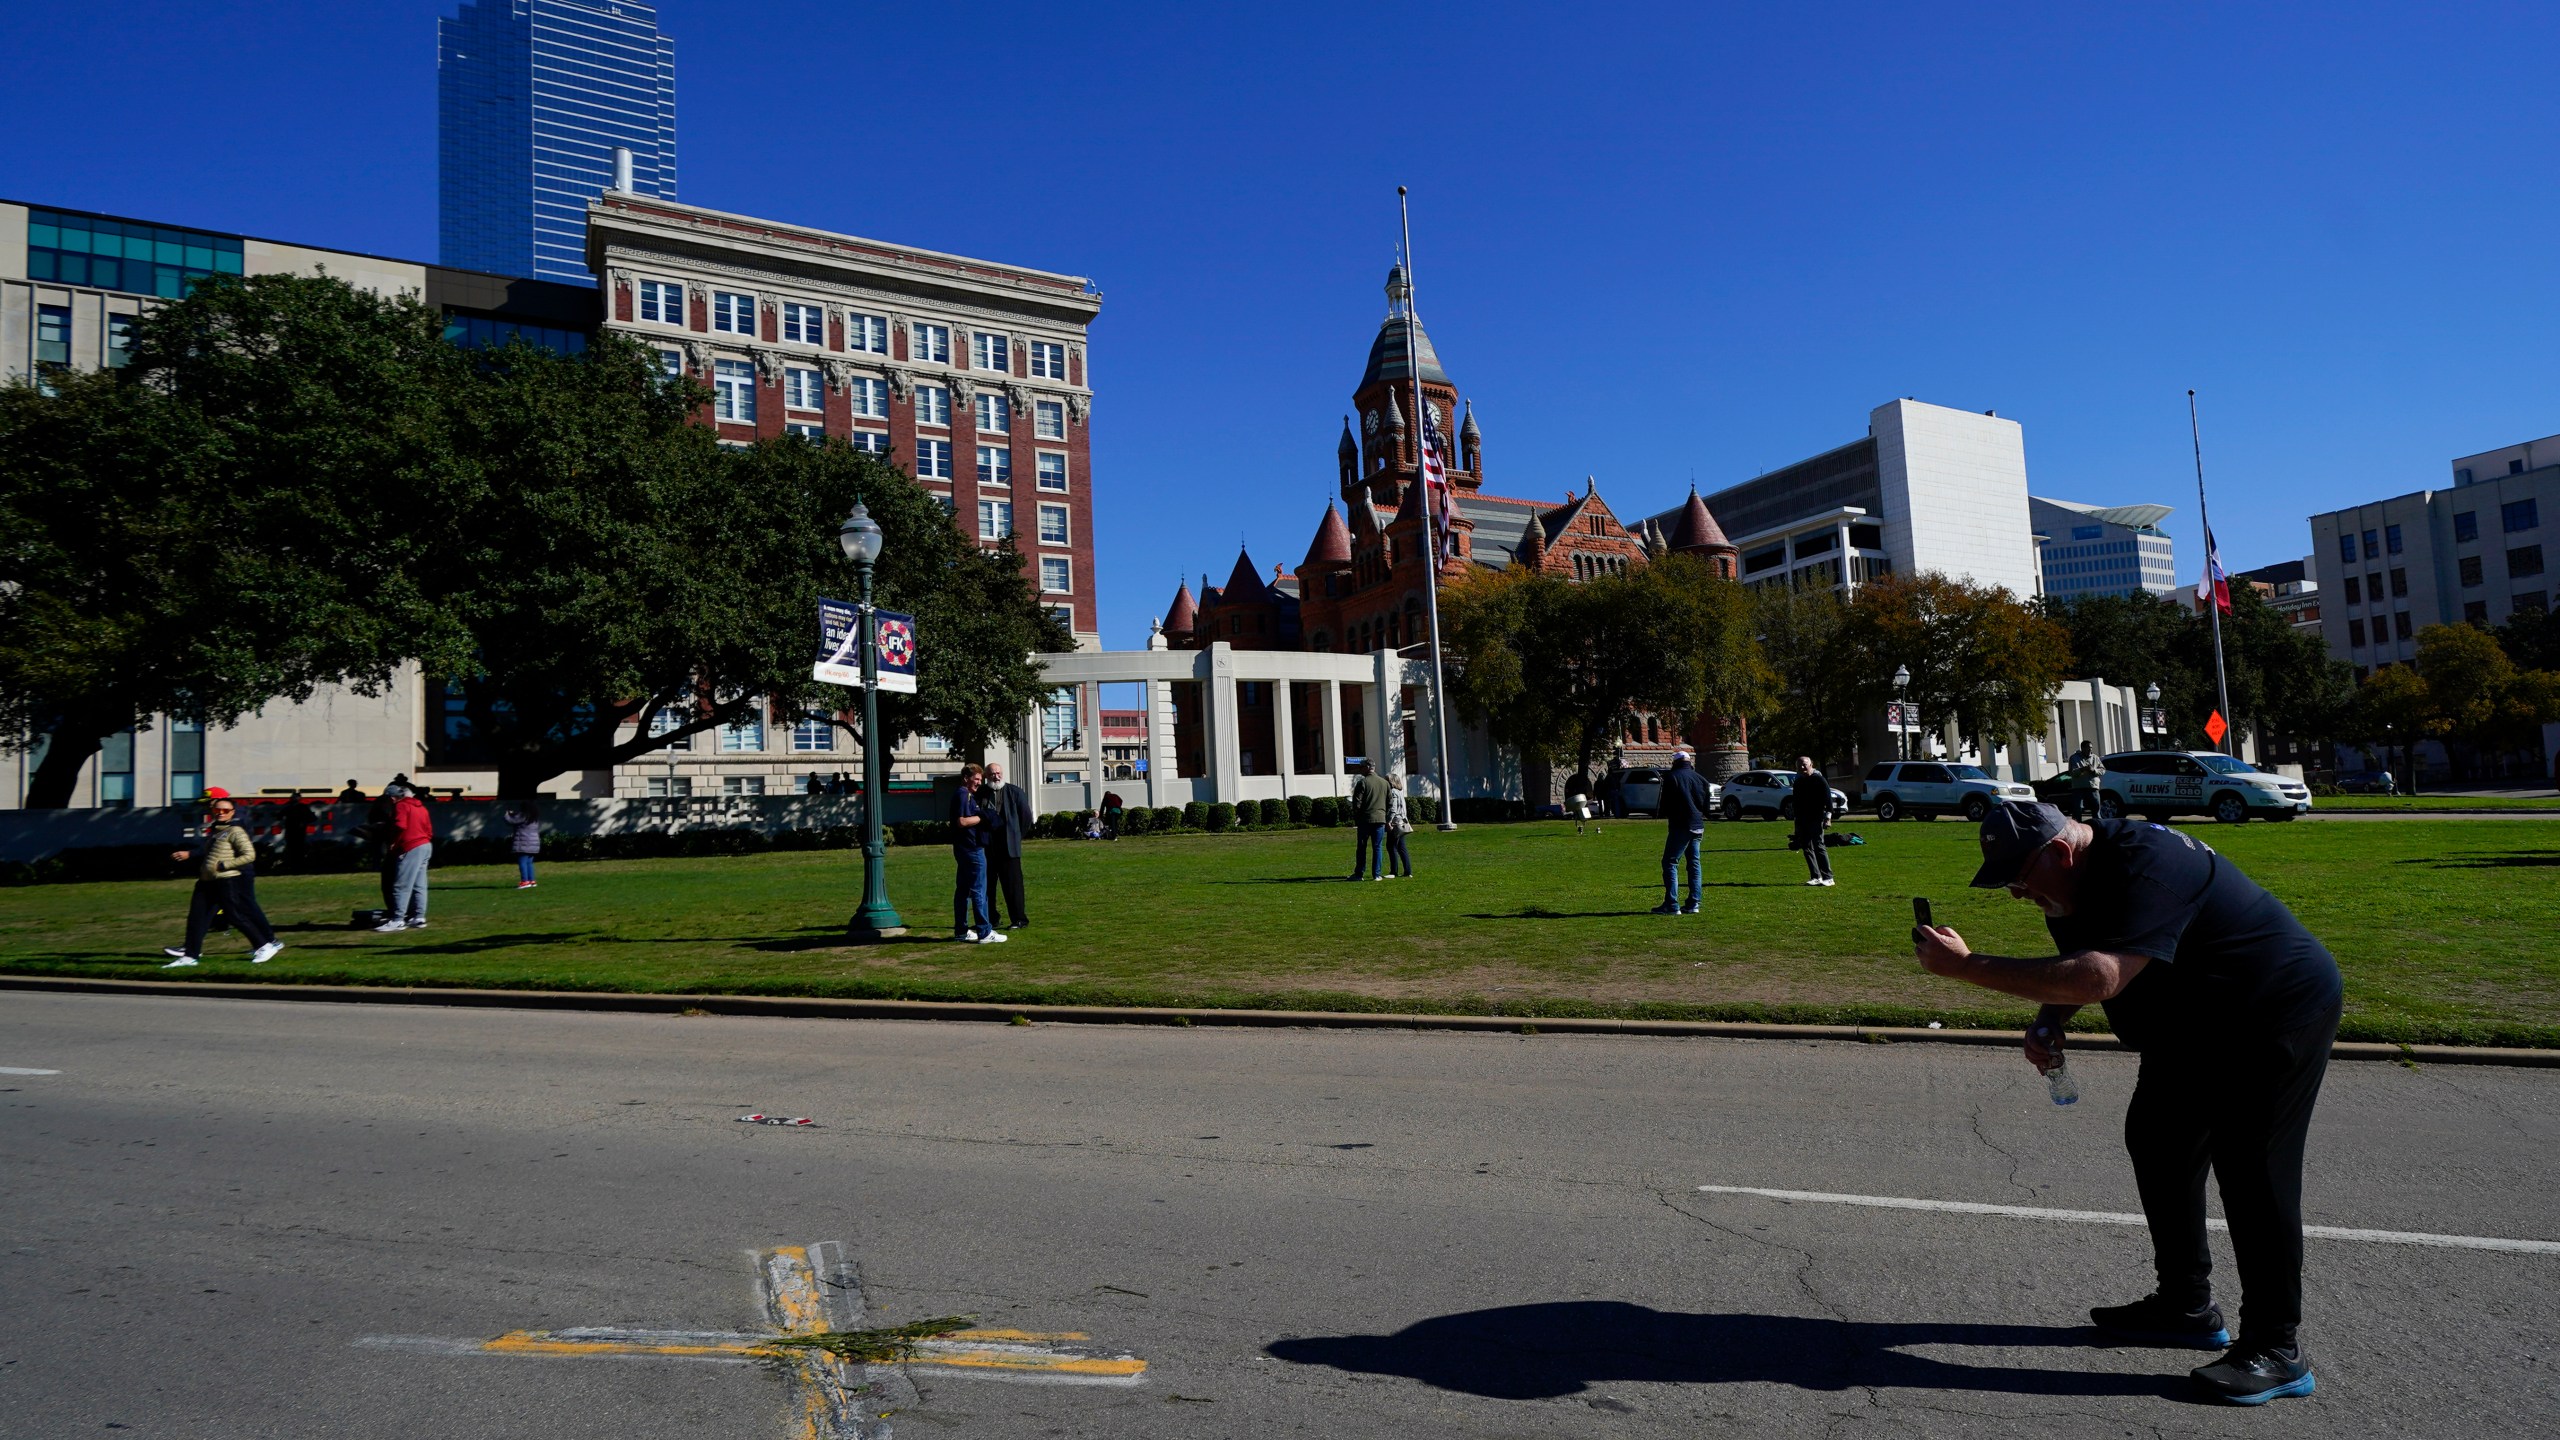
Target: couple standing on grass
{"x": 989, "y": 819}
{"x": 1377, "y": 803}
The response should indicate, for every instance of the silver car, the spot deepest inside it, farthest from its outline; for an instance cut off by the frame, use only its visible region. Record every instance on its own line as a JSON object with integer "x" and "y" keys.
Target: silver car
{"x": 1769, "y": 795}
{"x": 1931, "y": 788}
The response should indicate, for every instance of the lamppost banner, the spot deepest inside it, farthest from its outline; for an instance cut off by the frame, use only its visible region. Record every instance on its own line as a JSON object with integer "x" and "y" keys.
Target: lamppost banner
{"x": 840, "y": 646}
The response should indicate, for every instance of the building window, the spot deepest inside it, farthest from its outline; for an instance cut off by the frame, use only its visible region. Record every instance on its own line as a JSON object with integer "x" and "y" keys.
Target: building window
{"x": 2355, "y": 591}
{"x": 931, "y": 343}
{"x": 2391, "y": 538}
{"x": 53, "y": 335}
{"x": 733, "y": 390}
{"x": 1049, "y": 419}
{"x": 2466, "y": 527}
{"x": 870, "y": 397}
{"x": 744, "y": 735}
{"x": 868, "y": 333}
{"x": 950, "y": 507}
{"x": 1053, "y": 525}
{"x": 1058, "y": 720}
{"x": 803, "y": 324}
{"x": 671, "y": 363}
{"x": 933, "y": 405}
{"x": 2372, "y": 544}
{"x": 186, "y": 761}
{"x": 2518, "y": 515}
{"x": 2355, "y": 633}
{"x": 122, "y": 255}
{"x": 1057, "y": 574}
{"x": 115, "y": 771}
{"x": 2399, "y": 583}
{"x": 2469, "y": 566}
{"x": 995, "y": 519}
{"x": 120, "y": 341}
{"x": 2531, "y": 602}
{"x": 870, "y": 442}
{"x": 666, "y": 722}
{"x": 2373, "y": 589}
{"x": 1052, "y": 469}
{"x": 804, "y": 389}
{"x": 804, "y": 430}
{"x": 995, "y": 415}
{"x": 2347, "y": 547}
{"x": 2400, "y": 624}
{"x": 809, "y": 734}
{"x": 2475, "y": 612}
{"x": 661, "y": 302}
{"x": 733, "y": 314}
{"x": 1048, "y": 360}
{"x": 2523, "y": 561}
{"x": 1065, "y": 614}
{"x": 933, "y": 459}
{"x": 990, "y": 352}
{"x": 670, "y": 787}
{"x": 742, "y": 785}
{"x": 995, "y": 465}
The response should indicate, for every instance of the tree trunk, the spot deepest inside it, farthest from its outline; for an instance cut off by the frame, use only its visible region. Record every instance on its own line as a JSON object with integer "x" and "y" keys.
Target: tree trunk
{"x": 58, "y": 774}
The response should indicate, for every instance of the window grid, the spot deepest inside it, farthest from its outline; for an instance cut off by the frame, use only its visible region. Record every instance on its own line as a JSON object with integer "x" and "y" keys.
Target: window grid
{"x": 803, "y": 324}
{"x": 733, "y": 314}
{"x": 933, "y": 405}
{"x": 867, "y": 333}
{"x": 990, "y": 352}
{"x": 933, "y": 459}
{"x": 1052, "y": 469}
{"x": 744, "y": 735}
{"x": 1057, "y": 574}
{"x": 733, "y": 390}
{"x": 995, "y": 465}
{"x": 804, "y": 389}
{"x": 661, "y": 302}
{"x": 870, "y": 397}
{"x": 2518, "y": 515}
{"x": 1053, "y": 525}
{"x": 931, "y": 343}
{"x": 1048, "y": 360}
{"x": 1049, "y": 419}
{"x": 811, "y": 735}
{"x": 995, "y": 414}
{"x": 870, "y": 442}
{"x": 995, "y": 519}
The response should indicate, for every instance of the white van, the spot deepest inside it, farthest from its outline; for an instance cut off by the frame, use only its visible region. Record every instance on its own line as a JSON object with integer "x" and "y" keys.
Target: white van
{"x": 1931, "y": 788}
{"x": 2157, "y": 784}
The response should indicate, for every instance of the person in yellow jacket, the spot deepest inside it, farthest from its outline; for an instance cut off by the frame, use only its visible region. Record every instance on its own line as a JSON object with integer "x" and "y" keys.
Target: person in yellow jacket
{"x": 226, "y": 880}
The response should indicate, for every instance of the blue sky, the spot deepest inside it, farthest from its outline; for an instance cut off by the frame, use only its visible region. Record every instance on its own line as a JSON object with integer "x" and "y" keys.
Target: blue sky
{"x": 1651, "y": 242}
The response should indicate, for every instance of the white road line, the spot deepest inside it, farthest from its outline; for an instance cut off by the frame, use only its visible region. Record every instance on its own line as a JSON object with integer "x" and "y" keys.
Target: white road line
{"x": 15, "y": 1070}
{"x": 2110, "y": 1217}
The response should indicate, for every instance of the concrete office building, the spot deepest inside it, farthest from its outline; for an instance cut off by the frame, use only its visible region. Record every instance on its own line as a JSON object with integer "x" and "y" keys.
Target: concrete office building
{"x": 2101, "y": 549}
{"x": 2478, "y": 552}
{"x": 72, "y": 285}
{"x": 532, "y": 99}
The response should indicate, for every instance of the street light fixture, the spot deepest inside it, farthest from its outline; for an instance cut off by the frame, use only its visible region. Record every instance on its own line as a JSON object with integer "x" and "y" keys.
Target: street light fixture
{"x": 2151, "y": 698}
{"x": 860, "y": 538}
{"x": 1901, "y": 729}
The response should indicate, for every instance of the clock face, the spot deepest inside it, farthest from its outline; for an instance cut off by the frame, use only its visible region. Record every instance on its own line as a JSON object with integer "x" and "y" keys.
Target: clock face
{"x": 1372, "y": 422}
{"x": 1432, "y": 408}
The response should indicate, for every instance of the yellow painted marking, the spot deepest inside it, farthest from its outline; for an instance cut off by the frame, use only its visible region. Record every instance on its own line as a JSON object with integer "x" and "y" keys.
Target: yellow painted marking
{"x": 1035, "y": 1336}
{"x": 543, "y": 1342}
{"x": 1027, "y": 1361}
{"x": 798, "y": 1307}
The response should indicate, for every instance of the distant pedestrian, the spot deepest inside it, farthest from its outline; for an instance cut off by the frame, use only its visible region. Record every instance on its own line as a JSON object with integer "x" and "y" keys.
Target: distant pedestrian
{"x": 970, "y": 916}
{"x": 2085, "y": 773}
{"x": 297, "y": 820}
{"x": 352, "y": 795}
{"x": 1369, "y": 812}
{"x": 1113, "y": 812}
{"x": 1613, "y": 788}
{"x": 413, "y": 842}
{"x": 1813, "y": 816}
{"x": 227, "y": 881}
{"x": 524, "y": 839}
{"x": 1008, "y": 813}
{"x": 382, "y": 839}
{"x": 1684, "y": 803}
{"x": 1399, "y": 825}
{"x": 814, "y": 785}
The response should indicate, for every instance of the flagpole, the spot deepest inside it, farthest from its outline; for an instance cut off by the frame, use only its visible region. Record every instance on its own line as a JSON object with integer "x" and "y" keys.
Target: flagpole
{"x": 2213, "y": 593}
{"x": 1430, "y": 524}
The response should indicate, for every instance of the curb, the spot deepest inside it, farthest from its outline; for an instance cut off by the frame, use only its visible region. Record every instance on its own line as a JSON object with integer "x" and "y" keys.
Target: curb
{"x": 822, "y": 1007}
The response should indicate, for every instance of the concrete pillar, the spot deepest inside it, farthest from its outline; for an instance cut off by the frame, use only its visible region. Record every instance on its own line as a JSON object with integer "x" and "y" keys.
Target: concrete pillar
{"x": 1332, "y": 732}
{"x": 1284, "y": 731}
{"x": 1226, "y": 769}
{"x": 1388, "y": 722}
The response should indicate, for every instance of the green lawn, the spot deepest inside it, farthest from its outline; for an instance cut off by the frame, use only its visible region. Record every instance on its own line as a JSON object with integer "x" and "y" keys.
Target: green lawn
{"x": 2417, "y": 803}
{"x": 2448, "y": 930}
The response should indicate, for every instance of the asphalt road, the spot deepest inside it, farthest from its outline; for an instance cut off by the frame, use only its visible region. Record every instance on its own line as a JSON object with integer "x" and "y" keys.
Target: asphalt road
{"x": 214, "y": 1204}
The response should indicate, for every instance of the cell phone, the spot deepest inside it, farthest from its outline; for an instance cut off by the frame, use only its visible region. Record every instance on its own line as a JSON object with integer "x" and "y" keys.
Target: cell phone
{"x": 1920, "y": 911}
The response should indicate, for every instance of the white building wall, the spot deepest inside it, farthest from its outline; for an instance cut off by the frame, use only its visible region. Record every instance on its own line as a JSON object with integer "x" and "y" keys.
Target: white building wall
{"x": 1955, "y": 494}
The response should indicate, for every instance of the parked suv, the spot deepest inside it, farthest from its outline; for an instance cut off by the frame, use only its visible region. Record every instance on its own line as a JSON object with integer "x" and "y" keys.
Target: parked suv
{"x": 1769, "y": 795}
{"x": 1640, "y": 791}
{"x": 1931, "y": 788}
{"x": 2157, "y": 784}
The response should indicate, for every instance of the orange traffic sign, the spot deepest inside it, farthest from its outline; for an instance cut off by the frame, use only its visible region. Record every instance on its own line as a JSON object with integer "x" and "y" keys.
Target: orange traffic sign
{"x": 2216, "y": 727}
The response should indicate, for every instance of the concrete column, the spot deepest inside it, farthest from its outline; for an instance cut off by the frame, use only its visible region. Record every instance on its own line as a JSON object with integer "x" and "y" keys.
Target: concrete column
{"x": 1332, "y": 732}
{"x": 1284, "y": 731}
{"x": 1225, "y": 764}
{"x": 1388, "y": 713}
{"x": 1152, "y": 702}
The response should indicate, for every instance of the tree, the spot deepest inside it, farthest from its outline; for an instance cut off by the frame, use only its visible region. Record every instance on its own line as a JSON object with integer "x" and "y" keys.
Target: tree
{"x": 2282, "y": 680}
{"x": 1979, "y": 660}
{"x": 614, "y": 561}
{"x": 2478, "y": 699}
{"x": 224, "y": 522}
{"x": 1814, "y": 706}
{"x": 2531, "y": 638}
{"x": 2393, "y": 708}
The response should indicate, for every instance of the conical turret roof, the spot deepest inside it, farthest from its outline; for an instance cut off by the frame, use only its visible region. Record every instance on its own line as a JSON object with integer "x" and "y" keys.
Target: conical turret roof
{"x": 1531, "y": 553}
{"x": 1696, "y": 529}
{"x": 1349, "y": 449}
{"x": 1245, "y": 583}
{"x": 1332, "y": 545}
{"x": 1388, "y": 359}
{"x": 1183, "y": 614}
{"x": 1468, "y": 431}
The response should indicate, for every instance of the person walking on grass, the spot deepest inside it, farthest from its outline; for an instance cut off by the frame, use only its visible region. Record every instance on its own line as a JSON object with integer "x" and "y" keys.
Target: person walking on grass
{"x": 1685, "y": 802}
{"x": 969, "y": 859}
{"x": 2232, "y": 1006}
{"x": 1007, "y": 810}
{"x": 226, "y": 880}
{"x": 1812, "y": 795}
{"x": 524, "y": 838}
{"x": 1399, "y": 825}
{"x": 413, "y": 840}
{"x": 1369, "y": 810}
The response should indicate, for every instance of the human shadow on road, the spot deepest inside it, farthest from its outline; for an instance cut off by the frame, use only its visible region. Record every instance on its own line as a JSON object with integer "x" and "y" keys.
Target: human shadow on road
{"x": 1541, "y": 1352}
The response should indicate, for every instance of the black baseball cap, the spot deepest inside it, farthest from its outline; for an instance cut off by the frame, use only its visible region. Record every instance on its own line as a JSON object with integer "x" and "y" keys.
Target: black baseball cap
{"x": 2011, "y": 835}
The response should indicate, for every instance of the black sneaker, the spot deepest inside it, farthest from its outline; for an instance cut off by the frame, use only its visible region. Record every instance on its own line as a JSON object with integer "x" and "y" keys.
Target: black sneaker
{"x": 2256, "y": 1374}
{"x": 2154, "y": 1321}
{"x": 1665, "y": 909}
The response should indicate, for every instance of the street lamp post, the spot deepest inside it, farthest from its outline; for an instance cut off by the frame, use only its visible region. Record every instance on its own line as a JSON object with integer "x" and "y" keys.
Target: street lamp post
{"x": 2151, "y": 700}
{"x": 1901, "y": 726}
{"x": 877, "y": 919}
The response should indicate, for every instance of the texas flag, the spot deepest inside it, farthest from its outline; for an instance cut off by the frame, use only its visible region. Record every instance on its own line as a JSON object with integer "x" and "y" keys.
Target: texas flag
{"x": 1435, "y": 491}
{"x": 2214, "y": 584}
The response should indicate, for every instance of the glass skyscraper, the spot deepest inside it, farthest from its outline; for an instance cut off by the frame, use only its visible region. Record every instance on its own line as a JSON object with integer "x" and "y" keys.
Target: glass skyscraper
{"x": 532, "y": 97}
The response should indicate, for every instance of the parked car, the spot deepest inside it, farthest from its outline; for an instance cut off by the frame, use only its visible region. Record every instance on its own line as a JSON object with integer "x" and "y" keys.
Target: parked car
{"x": 2367, "y": 782}
{"x": 2157, "y": 784}
{"x": 1931, "y": 788}
{"x": 1641, "y": 792}
{"x": 1768, "y": 795}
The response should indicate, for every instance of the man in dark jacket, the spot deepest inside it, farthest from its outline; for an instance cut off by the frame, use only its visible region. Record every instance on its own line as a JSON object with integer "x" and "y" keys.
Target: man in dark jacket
{"x": 1812, "y": 795}
{"x": 1008, "y": 814}
{"x": 2232, "y": 1005}
{"x": 1685, "y": 803}
{"x": 1369, "y": 812}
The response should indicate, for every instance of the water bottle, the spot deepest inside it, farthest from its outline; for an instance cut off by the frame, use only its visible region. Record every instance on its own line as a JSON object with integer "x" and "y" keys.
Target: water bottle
{"x": 2057, "y": 1077}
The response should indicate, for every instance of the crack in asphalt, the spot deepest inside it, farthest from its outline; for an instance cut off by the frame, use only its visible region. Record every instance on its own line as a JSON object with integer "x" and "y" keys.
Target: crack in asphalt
{"x": 1803, "y": 1275}
{"x": 1995, "y": 1147}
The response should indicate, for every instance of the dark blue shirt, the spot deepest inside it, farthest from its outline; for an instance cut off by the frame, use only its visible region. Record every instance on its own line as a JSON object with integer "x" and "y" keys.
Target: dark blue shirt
{"x": 966, "y": 839}
{"x": 1684, "y": 800}
{"x": 2226, "y": 956}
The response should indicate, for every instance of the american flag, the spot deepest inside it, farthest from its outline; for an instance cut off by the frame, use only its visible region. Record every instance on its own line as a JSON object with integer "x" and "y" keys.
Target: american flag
{"x": 1435, "y": 492}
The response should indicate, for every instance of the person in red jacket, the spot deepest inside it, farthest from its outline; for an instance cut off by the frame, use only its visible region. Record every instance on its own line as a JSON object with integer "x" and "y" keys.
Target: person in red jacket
{"x": 414, "y": 840}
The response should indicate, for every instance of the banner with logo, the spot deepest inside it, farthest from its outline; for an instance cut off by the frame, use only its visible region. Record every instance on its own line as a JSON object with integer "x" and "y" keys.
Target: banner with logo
{"x": 840, "y": 646}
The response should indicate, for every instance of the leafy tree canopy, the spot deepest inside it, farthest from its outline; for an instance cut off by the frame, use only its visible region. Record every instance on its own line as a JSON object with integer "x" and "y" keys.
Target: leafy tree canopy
{"x": 1979, "y": 660}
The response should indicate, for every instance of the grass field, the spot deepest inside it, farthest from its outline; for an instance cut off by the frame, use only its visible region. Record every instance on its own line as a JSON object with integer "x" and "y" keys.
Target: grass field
{"x": 2419, "y": 804}
{"x": 2448, "y": 930}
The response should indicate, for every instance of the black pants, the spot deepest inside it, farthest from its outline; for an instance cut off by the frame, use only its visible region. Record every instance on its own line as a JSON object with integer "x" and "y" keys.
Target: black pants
{"x": 390, "y": 862}
{"x": 1817, "y": 856}
{"x": 2240, "y": 1105}
{"x": 237, "y": 898}
{"x": 1007, "y": 871}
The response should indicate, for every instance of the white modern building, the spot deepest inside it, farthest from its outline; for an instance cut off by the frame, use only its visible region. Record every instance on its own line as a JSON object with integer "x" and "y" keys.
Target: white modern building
{"x": 2101, "y": 549}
